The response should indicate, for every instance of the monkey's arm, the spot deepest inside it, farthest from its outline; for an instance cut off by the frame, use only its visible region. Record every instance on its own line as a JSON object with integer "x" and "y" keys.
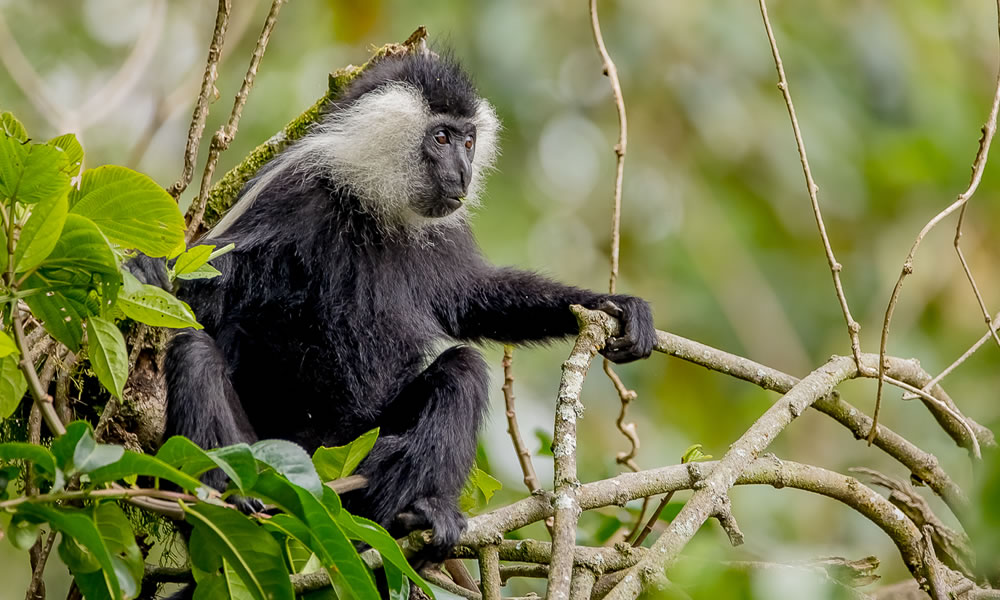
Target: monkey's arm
{"x": 513, "y": 306}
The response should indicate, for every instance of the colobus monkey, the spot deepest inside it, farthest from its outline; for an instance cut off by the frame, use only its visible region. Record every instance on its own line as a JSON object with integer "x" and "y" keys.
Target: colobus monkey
{"x": 353, "y": 258}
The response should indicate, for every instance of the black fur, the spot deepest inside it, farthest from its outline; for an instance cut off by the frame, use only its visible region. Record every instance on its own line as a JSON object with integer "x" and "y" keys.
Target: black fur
{"x": 321, "y": 325}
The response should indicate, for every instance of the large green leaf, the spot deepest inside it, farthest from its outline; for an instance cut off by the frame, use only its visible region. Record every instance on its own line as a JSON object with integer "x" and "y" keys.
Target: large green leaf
{"x": 39, "y": 456}
{"x": 130, "y": 208}
{"x": 134, "y": 463}
{"x": 373, "y": 534}
{"x": 125, "y": 555}
{"x": 236, "y": 461}
{"x": 81, "y": 527}
{"x": 78, "y": 452}
{"x": 290, "y": 460}
{"x": 64, "y": 306}
{"x": 154, "y": 306}
{"x": 41, "y": 233}
{"x": 340, "y": 461}
{"x": 7, "y": 345}
{"x": 248, "y": 548}
{"x": 316, "y": 527}
{"x": 107, "y": 353}
{"x": 82, "y": 262}
{"x": 12, "y": 385}
{"x": 73, "y": 150}
{"x": 31, "y": 172}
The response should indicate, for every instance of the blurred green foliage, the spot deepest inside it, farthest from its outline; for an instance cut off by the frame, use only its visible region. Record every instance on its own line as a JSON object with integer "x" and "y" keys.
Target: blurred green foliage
{"x": 717, "y": 230}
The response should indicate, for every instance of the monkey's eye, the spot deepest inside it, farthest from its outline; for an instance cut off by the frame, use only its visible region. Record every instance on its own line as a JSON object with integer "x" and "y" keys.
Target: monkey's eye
{"x": 441, "y": 137}
{"x": 469, "y": 142}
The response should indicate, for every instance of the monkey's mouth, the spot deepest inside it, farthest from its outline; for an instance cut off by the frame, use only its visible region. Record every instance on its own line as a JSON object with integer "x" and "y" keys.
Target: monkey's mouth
{"x": 441, "y": 207}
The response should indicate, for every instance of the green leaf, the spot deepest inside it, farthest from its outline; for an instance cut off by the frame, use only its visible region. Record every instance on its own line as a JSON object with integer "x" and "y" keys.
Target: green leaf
{"x": 129, "y": 208}
{"x": 74, "y": 152}
{"x": 694, "y": 454}
{"x": 39, "y": 456}
{"x": 23, "y": 531}
{"x": 82, "y": 262}
{"x": 120, "y": 540}
{"x": 12, "y": 127}
{"x": 373, "y": 534}
{"x": 205, "y": 271}
{"x": 41, "y": 233}
{"x": 31, "y": 173}
{"x": 544, "y": 441}
{"x": 78, "y": 452}
{"x": 7, "y": 475}
{"x": 154, "y": 306}
{"x": 135, "y": 463}
{"x": 7, "y": 345}
{"x": 314, "y": 525}
{"x": 479, "y": 489}
{"x": 236, "y": 461}
{"x": 340, "y": 461}
{"x": 83, "y": 530}
{"x": 398, "y": 584}
{"x": 291, "y": 461}
{"x": 193, "y": 258}
{"x": 247, "y": 547}
{"x": 12, "y": 385}
{"x": 107, "y": 353}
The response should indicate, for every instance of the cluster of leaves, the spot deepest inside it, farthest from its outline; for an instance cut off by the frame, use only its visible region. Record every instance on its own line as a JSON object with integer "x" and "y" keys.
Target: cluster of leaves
{"x": 64, "y": 235}
{"x": 232, "y": 555}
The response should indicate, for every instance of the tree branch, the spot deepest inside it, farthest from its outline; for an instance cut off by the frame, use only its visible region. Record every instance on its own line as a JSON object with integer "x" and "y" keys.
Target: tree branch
{"x": 205, "y": 96}
{"x": 224, "y": 136}
{"x": 595, "y": 328}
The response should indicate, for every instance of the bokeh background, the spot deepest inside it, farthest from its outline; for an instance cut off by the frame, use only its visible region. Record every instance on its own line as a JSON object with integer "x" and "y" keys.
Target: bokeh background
{"x": 717, "y": 232}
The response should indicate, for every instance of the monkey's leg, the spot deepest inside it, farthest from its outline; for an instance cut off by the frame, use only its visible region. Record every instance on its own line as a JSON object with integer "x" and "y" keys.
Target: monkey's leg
{"x": 202, "y": 404}
{"x": 425, "y": 451}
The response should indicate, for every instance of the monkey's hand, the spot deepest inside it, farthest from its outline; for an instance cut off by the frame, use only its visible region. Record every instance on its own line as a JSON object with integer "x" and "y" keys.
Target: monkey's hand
{"x": 638, "y": 332}
{"x": 440, "y": 516}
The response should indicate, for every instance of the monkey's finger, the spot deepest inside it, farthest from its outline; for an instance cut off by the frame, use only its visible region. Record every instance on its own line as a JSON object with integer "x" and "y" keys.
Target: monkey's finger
{"x": 619, "y": 343}
{"x": 621, "y": 356}
{"x": 611, "y": 308}
{"x": 410, "y": 521}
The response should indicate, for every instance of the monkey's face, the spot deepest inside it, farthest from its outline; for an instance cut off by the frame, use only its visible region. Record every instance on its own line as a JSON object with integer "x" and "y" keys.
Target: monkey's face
{"x": 448, "y": 150}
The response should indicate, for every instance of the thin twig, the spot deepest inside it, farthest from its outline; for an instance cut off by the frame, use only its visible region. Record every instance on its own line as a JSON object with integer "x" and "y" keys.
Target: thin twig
{"x": 978, "y": 166}
{"x": 205, "y": 96}
{"x": 523, "y": 454}
{"x": 224, "y": 136}
{"x": 520, "y": 448}
{"x": 853, "y": 327}
{"x": 961, "y": 359}
{"x": 169, "y": 104}
{"x": 115, "y": 492}
{"x": 625, "y": 395}
{"x": 36, "y": 587}
{"x": 42, "y": 399}
{"x": 648, "y": 528}
{"x": 990, "y": 328}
